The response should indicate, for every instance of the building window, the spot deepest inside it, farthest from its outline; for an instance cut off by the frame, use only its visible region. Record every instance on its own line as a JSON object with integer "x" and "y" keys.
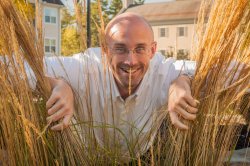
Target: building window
{"x": 50, "y": 15}
{"x": 182, "y": 31}
{"x": 163, "y": 32}
{"x": 50, "y": 45}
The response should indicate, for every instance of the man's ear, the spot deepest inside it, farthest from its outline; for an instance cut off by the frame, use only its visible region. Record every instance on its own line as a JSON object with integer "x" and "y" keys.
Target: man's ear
{"x": 153, "y": 49}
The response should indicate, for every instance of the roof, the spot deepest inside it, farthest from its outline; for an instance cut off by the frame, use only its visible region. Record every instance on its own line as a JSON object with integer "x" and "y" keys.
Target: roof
{"x": 58, "y": 2}
{"x": 167, "y": 11}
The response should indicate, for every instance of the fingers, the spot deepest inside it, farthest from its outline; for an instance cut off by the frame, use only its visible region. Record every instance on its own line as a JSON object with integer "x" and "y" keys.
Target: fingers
{"x": 177, "y": 122}
{"x": 190, "y": 104}
{"x": 183, "y": 109}
{"x": 60, "y": 105}
{"x": 181, "y": 104}
{"x": 186, "y": 107}
{"x": 64, "y": 123}
{"x": 189, "y": 108}
{"x": 191, "y": 101}
{"x": 185, "y": 114}
{"x": 51, "y": 101}
{"x": 62, "y": 113}
{"x": 55, "y": 108}
{"x": 56, "y": 116}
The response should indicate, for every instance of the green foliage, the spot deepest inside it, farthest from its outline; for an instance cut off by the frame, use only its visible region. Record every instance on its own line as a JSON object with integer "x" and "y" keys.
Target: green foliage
{"x": 67, "y": 18}
{"x": 70, "y": 42}
{"x": 109, "y": 11}
{"x": 26, "y": 8}
{"x": 139, "y": 2}
{"x": 70, "y": 39}
{"x": 96, "y": 21}
{"x": 115, "y": 7}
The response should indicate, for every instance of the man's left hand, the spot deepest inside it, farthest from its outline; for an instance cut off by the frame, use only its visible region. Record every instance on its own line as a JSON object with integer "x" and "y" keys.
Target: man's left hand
{"x": 181, "y": 103}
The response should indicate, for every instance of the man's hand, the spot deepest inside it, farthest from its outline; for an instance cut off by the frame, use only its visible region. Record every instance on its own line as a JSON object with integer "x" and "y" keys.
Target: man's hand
{"x": 181, "y": 103}
{"x": 60, "y": 105}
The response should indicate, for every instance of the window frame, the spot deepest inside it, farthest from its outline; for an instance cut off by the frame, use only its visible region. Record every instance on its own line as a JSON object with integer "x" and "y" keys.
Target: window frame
{"x": 182, "y": 29}
{"x": 165, "y": 30}
{"x": 50, "y": 45}
{"x": 50, "y": 16}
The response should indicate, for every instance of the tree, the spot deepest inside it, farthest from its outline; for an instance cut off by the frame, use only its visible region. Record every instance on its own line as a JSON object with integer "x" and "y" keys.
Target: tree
{"x": 70, "y": 42}
{"x": 108, "y": 12}
{"x": 70, "y": 37}
{"x": 67, "y": 18}
{"x": 139, "y": 2}
{"x": 95, "y": 21}
{"x": 26, "y": 8}
{"x": 115, "y": 7}
{"x": 69, "y": 32}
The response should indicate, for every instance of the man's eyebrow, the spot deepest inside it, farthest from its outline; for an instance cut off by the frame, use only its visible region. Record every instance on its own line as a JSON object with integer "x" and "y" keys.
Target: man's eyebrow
{"x": 124, "y": 45}
{"x": 119, "y": 44}
{"x": 141, "y": 44}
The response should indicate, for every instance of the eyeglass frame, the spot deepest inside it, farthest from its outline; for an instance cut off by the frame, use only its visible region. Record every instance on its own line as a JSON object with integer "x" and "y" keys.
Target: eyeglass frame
{"x": 127, "y": 51}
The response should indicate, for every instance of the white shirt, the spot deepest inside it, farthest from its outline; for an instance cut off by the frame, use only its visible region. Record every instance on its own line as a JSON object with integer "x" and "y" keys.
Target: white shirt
{"x": 130, "y": 123}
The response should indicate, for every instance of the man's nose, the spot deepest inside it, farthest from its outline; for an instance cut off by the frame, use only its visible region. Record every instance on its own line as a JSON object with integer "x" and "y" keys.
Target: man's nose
{"x": 132, "y": 58}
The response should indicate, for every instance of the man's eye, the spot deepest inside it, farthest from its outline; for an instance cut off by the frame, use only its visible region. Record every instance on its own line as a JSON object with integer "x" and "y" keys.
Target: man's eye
{"x": 120, "y": 50}
{"x": 140, "y": 50}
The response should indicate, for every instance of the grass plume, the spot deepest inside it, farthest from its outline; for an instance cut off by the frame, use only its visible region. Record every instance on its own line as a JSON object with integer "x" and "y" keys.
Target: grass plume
{"x": 221, "y": 81}
{"x": 23, "y": 115}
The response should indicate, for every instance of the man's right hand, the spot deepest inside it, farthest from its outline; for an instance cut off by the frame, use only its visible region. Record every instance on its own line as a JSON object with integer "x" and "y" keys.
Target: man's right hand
{"x": 60, "y": 105}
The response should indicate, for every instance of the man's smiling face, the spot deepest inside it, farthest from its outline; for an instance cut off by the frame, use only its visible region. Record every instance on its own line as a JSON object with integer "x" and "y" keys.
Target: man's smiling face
{"x": 130, "y": 48}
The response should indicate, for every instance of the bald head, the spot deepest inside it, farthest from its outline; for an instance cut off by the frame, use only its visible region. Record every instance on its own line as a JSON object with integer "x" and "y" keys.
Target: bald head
{"x": 125, "y": 33}
{"x": 128, "y": 20}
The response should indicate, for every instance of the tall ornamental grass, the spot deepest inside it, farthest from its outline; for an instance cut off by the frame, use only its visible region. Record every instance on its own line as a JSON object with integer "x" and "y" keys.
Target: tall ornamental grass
{"x": 25, "y": 138}
{"x": 221, "y": 84}
{"x": 221, "y": 51}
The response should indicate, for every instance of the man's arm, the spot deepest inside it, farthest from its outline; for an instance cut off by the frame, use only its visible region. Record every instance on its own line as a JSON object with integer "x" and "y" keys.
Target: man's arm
{"x": 181, "y": 103}
{"x": 60, "y": 105}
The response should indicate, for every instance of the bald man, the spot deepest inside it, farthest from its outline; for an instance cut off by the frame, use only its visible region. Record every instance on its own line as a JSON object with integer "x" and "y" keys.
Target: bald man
{"x": 125, "y": 90}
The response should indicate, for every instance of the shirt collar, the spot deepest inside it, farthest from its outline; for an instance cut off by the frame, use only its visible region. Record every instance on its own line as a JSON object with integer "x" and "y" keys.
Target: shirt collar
{"x": 144, "y": 83}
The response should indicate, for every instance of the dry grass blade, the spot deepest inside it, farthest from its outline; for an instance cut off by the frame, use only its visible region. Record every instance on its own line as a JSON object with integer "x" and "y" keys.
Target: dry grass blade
{"x": 222, "y": 50}
{"x": 25, "y": 35}
{"x": 220, "y": 84}
{"x": 80, "y": 12}
{"x": 22, "y": 111}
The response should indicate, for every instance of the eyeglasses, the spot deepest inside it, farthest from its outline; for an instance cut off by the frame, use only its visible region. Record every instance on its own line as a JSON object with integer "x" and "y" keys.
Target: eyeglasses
{"x": 123, "y": 51}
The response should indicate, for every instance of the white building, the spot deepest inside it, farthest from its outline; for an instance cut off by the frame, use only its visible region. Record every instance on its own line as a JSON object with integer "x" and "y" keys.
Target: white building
{"x": 172, "y": 22}
{"x": 52, "y": 26}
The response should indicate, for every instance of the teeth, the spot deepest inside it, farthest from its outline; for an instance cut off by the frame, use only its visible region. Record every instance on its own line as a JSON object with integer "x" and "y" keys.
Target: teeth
{"x": 128, "y": 70}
